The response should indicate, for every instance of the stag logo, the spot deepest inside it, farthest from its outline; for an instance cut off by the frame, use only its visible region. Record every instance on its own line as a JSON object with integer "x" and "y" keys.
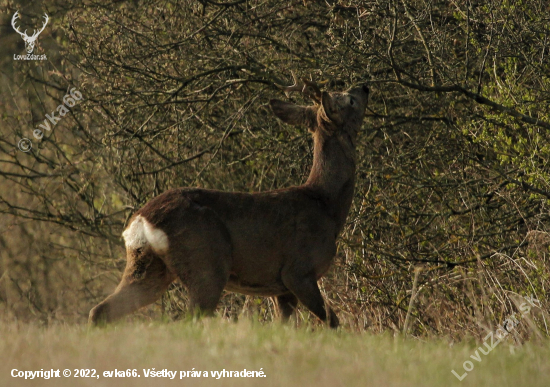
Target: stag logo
{"x": 29, "y": 40}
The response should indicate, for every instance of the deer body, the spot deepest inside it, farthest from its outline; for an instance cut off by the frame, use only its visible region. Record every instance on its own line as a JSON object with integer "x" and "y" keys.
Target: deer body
{"x": 276, "y": 243}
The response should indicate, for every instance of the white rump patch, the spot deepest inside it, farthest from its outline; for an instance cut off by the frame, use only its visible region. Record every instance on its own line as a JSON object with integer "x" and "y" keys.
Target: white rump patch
{"x": 141, "y": 233}
{"x": 156, "y": 237}
{"x": 134, "y": 235}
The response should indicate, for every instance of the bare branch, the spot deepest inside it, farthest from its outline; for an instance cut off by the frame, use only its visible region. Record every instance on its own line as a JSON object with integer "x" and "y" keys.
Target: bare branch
{"x": 308, "y": 88}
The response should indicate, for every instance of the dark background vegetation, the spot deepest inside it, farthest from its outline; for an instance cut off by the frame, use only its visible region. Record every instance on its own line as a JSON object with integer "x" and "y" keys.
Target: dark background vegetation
{"x": 453, "y": 181}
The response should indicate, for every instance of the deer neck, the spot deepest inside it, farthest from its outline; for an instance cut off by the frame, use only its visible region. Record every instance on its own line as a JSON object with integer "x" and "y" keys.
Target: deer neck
{"x": 332, "y": 175}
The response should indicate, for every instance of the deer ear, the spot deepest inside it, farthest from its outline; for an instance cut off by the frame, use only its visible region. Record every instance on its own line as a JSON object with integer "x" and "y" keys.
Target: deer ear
{"x": 295, "y": 115}
{"x": 328, "y": 111}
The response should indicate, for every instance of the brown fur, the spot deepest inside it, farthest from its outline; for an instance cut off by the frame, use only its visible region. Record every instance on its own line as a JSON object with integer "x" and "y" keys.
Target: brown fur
{"x": 276, "y": 243}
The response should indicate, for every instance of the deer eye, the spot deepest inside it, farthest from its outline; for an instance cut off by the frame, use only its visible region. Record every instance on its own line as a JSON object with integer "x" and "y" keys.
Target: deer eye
{"x": 351, "y": 102}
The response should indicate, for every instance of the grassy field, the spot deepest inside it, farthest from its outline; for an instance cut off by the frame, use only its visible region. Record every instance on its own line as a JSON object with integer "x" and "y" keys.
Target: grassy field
{"x": 287, "y": 355}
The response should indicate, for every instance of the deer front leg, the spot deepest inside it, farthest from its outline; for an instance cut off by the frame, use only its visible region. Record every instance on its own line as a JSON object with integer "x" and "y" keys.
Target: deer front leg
{"x": 286, "y": 304}
{"x": 307, "y": 291}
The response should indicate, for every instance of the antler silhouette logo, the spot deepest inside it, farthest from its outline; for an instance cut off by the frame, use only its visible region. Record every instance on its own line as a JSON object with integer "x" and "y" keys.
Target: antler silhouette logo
{"x": 29, "y": 40}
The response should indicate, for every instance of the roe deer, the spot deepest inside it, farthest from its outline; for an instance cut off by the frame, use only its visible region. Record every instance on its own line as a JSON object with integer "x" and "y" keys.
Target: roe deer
{"x": 276, "y": 243}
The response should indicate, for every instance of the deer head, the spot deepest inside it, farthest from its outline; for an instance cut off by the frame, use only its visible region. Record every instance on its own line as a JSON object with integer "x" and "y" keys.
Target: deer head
{"x": 29, "y": 40}
{"x": 337, "y": 115}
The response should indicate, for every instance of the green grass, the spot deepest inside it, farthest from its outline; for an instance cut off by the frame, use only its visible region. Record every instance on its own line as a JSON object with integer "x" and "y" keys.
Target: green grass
{"x": 289, "y": 356}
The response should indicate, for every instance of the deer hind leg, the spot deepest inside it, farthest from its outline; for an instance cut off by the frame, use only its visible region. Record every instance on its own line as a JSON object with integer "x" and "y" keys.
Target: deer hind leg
{"x": 307, "y": 291}
{"x": 202, "y": 260}
{"x": 205, "y": 291}
{"x": 204, "y": 272}
{"x": 145, "y": 279}
{"x": 286, "y": 304}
